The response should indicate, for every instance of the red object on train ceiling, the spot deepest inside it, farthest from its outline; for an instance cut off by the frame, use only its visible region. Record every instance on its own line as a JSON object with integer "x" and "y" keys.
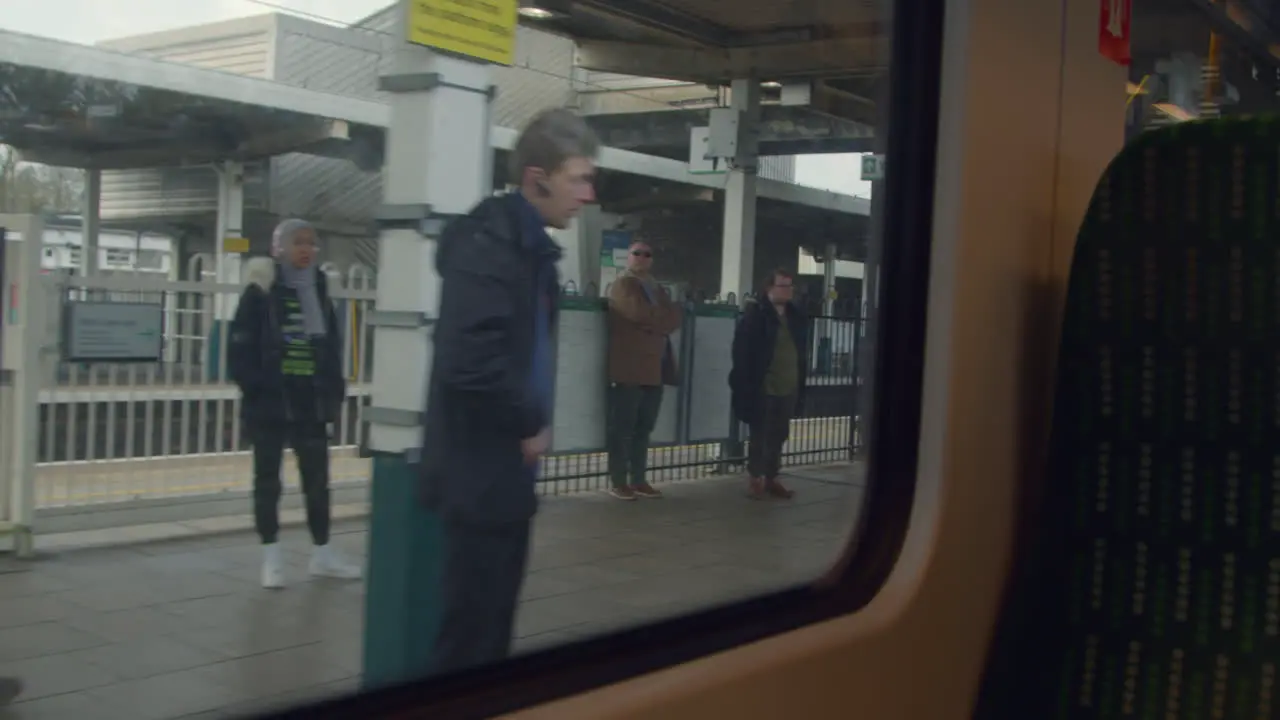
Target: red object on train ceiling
{"x": 1114, "y": 30}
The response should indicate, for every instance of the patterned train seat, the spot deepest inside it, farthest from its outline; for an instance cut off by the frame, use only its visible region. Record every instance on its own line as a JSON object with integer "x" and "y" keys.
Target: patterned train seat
{"x": 1149, "y": 586}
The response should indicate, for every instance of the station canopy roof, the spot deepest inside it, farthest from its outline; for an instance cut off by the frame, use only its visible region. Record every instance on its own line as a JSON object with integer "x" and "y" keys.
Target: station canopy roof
{"x": 841, "y": 47}
{"x": 77, "y": 106}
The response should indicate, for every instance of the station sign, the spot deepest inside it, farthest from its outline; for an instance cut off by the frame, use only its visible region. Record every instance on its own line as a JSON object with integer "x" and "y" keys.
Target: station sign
{"x": 872, "y": 166}
{"x": 482, "y": 30}
{"x": 1114, "y": 37}
{"x": 112, "y": 331}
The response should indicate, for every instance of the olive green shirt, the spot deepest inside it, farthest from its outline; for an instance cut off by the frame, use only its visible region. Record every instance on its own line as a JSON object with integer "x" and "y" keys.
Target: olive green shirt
{"x": 784, "y": 372}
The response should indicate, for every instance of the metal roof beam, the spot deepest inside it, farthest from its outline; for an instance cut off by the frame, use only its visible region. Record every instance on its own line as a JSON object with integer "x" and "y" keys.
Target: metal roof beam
{"x": 325, "y": 138}
{"x": 722, "y": 65}
{"x": 654, "y": 16}
{"x": 784, "y": 130}
{"x": 90, "y": 62}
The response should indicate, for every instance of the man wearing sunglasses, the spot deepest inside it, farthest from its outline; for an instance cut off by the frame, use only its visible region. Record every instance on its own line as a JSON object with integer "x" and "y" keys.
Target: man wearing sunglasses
{"x": 641, "y": 361}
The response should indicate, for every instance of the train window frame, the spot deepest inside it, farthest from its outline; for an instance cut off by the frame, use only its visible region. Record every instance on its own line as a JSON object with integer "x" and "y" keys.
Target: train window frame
{"x": 876, "y": 540}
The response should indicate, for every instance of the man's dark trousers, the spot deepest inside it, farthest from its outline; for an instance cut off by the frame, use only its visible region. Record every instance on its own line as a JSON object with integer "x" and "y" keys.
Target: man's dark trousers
{"x": 484, "y": 569}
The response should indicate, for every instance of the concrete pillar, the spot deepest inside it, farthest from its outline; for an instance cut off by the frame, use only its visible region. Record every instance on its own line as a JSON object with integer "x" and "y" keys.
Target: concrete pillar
{"x": 829, "y": 280}
{"x": 228, "y": 236}
{"x": 439, "y": 165}
{"x": 866, "y": 353}
{"x": 737, "y": 256}
{"x": 90, "y": 223}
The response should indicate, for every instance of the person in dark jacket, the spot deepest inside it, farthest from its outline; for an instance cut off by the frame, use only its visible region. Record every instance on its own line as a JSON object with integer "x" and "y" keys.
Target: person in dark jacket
{"x": 490, "y": 391}
{"x": 768, "y": 379}
{"x": 285, "y": 354}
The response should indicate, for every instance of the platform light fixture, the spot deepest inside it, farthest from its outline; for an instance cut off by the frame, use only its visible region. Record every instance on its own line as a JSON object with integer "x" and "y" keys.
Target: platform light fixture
{"x": 535, "y": 12}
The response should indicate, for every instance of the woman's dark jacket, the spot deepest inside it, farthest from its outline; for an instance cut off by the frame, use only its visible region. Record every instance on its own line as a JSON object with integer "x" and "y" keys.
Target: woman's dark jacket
{"x": 753, "y": 344}
{"x": 255, "y": 355}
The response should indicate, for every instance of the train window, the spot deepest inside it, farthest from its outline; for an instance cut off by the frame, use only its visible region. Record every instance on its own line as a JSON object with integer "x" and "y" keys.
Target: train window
{"x": 675, "y": 368}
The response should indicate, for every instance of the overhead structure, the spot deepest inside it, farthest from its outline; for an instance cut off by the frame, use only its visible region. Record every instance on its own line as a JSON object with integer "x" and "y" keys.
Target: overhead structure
{"x": 838, "y": 48}
{"x": 784, "y": 130}
{"x": 836, "y": 51}
{"x": 76, "y": 106}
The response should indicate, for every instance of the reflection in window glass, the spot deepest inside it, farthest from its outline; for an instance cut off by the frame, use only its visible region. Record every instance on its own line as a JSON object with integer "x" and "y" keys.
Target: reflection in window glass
{"x": 684, "y": 392}
{"x": 1183, "y": 70}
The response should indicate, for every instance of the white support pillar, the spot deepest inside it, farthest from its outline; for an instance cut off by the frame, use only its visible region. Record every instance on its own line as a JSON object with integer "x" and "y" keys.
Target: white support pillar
{"x": 739, "y": 239}
{"x": 228, "y": 233}
{"x": 439, "y": 163}
{"x": 90, "y": 223}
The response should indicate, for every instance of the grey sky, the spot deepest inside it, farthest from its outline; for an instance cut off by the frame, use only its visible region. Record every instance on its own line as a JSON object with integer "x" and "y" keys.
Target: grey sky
{"x": 91, "y": 21}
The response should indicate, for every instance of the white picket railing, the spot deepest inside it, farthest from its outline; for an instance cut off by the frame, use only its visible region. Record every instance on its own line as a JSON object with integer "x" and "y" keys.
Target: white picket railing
{"x": 112, "y": 433}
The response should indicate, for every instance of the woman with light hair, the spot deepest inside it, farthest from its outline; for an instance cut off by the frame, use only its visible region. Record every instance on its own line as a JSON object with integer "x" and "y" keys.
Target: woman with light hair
{"x": 285, "y": 353}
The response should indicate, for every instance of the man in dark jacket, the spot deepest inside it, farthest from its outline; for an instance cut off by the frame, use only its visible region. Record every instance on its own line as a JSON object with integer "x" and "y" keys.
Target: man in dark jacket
{"x": 285, "y": 353}
{"x": 491, "y": 387}
{"x": 768, "y": 379}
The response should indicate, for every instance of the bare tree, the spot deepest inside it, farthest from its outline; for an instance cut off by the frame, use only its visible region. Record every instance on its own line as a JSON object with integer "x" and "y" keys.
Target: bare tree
{"x": 33, "y": 188}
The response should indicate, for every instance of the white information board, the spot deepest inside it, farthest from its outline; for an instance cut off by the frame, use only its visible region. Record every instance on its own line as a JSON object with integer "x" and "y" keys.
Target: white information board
{"x": 699, "y": 163}
{"x": 112, "y": 332}
{"x": 581, "y": 413}
{"x": 710, "y": 409}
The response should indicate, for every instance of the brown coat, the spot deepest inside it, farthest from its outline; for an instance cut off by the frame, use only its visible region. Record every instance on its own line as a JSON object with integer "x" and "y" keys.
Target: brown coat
{"x": 638, "y": 332}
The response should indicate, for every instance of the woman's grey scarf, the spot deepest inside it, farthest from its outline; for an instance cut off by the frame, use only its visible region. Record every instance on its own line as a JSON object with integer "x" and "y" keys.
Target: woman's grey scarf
{"x": 300, "y": 280}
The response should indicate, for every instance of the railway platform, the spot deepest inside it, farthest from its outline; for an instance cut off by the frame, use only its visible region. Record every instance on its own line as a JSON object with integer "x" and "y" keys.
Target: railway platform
{"x": 167, "y": 621}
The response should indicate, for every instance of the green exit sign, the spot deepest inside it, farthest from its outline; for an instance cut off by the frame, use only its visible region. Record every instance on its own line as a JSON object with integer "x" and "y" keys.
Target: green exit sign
{"x": 872, "y": 167}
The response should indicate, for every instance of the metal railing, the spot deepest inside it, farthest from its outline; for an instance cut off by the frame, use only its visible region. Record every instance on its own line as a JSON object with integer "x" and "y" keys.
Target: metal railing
{"x": 111, "y": 432}
{"x": 113, "y": 436}
{"x": 824, "y": 430}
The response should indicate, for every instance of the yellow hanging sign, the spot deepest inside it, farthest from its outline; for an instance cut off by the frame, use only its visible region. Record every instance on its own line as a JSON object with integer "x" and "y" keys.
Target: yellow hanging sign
{"x": 480, "y": 29}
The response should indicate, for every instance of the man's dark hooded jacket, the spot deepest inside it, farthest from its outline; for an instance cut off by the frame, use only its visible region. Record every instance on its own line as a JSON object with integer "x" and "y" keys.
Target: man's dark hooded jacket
{"x": 497, "y": 269}
{"x": 753, "y": 344}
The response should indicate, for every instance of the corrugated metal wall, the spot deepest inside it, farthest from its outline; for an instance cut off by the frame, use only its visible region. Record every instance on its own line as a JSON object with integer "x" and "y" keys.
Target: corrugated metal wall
{"x": 348, "y": 62}
{"x": 242, "y": 46}
{"x": 778, "y": 167}
{"x": 333, "y": 60}
{"x": 540, "y": 77}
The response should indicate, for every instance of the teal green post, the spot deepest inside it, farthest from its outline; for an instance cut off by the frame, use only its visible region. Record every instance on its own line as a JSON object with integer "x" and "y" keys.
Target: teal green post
{"x": 438, "y": 165}
{"x": 402, "y": 602}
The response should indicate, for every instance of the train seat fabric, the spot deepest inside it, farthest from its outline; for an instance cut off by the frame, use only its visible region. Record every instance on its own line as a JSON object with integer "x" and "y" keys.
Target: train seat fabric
{"x": 1149, "y": 586}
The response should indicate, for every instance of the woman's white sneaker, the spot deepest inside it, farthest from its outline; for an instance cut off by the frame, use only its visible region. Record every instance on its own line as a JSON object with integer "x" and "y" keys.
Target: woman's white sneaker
{"x": 326, "y": 562}
{"x": 272, "y": 567}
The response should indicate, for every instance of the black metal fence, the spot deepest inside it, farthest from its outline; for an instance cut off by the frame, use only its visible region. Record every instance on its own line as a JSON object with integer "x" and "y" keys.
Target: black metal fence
{"x": 825, "y": 429}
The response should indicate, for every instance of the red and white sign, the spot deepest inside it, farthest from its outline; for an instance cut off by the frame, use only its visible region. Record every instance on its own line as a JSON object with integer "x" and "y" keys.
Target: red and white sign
{"x": 1113, "y": 30}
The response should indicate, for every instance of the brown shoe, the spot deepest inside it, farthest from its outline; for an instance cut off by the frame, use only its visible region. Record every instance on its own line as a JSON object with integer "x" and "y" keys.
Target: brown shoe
{"x": 756, "y": 489}
{"x": 778, "y": 490}
{"x": 645, "y": 490}
{"x": 623, "y": 493}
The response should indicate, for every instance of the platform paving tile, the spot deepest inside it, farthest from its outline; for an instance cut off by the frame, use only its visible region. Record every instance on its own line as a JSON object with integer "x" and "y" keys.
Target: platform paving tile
{"x": 179, "y": 628}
